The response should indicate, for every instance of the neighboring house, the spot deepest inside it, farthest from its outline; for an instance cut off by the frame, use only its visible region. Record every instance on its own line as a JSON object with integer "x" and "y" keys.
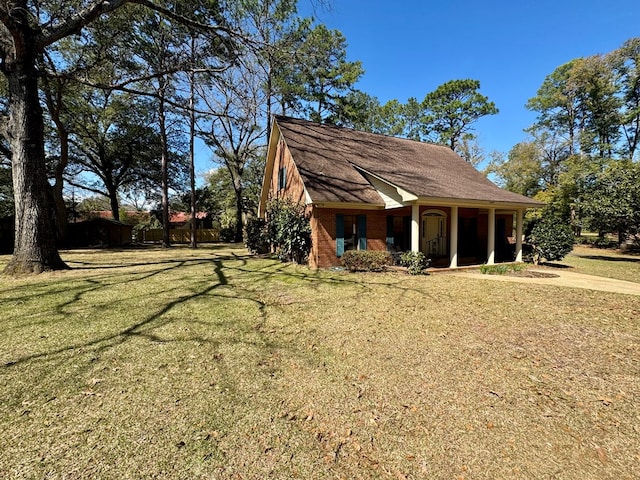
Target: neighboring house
{"x": 98, "y": 232}
{"x": 183, "y": 220}
{"x": 370, "y": 191}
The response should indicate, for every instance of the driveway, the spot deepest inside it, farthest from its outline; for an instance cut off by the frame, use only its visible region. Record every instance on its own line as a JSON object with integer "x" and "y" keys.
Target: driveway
{"x": 562, "y": 278}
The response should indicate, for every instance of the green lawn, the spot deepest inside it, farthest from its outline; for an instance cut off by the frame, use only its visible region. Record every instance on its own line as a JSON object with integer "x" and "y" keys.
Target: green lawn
{"x": 604, "y": 263}
{"x": 180, "y": 364}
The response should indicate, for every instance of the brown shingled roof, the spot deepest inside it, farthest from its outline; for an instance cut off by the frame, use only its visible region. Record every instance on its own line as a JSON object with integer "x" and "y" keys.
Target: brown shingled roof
{"x": 326, "y": 156}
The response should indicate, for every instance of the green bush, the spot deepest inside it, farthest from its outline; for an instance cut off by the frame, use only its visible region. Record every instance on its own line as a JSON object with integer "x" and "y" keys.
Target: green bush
{"x": 416, "y": 262}
{"x": 500, "y": 269}
{"x": 289, "y": 230}
{"x": 227, "y": 234}
{"x": 256, "y": 237}
{"x": 366, "y": 260}
{"x": 550, "y": 239}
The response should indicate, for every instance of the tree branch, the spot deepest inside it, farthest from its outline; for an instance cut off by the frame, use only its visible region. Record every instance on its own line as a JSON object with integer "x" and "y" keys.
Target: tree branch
{"x": 99, "y": 7}
{"x": 78, "y": 21}
{"x": 86, "y": 187}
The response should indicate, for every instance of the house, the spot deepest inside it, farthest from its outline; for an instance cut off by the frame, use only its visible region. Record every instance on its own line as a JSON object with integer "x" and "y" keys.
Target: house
{"x": 98, "y": 232}
{"x": 183, "y": 220}
{"x": 371, "y": 191}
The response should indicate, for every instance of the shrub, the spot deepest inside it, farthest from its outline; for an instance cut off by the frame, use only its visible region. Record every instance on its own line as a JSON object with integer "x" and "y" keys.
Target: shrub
{"x": 366, "y": 260}
{"x": 550, "y": 239}
{"x": 500, "y": 269}
{"x": 256, "y": 237}
{"x": 416, "y": 262}
{"x": 227, "y": 234}
{"x": 289, "y": 230}
{"x": 604, "y": 242}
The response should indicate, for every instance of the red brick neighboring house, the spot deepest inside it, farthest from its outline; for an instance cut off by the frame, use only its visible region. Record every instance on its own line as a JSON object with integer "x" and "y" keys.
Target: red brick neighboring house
{"x": 375, "y": 192}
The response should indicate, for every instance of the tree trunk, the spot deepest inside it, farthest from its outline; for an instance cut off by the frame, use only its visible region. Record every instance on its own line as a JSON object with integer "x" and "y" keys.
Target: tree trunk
{"x": 35, "y": 246}
{"x": 114, "y": 203}
{"x": 164, "y": 167}
{"x": 58, "y": 187}
{"x": 192, "y": 168}
{"x": 237, "y": 186}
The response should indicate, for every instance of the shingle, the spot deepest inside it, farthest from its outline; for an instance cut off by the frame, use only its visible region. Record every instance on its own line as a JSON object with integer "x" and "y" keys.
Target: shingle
{"x": 326, "y": 155}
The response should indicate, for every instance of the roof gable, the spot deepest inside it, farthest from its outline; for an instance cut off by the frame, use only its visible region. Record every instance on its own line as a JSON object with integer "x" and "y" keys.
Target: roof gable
{"x": 337, "y": 165}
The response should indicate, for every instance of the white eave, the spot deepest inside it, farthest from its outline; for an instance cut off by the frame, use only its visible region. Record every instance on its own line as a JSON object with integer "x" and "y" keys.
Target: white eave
{"x": 392, "y": 195}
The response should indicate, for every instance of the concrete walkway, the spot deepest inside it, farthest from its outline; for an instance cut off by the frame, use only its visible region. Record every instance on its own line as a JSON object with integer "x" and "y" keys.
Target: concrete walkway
{"x": 563, "y": 279}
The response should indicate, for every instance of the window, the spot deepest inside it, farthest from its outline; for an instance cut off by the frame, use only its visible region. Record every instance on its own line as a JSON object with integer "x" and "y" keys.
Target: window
{"x": 351, "y": 233}
{"x": 282, "y": 178}
{"x": 398, "y": 233}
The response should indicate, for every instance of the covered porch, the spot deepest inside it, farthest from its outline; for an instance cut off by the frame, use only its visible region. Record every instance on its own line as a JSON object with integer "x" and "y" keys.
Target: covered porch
{"x": 460, "y": 235}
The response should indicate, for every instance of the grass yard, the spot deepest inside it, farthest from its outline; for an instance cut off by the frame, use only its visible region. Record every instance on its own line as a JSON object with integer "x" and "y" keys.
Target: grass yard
{"x": 180, "y": 364}
{"x": 605, "y": 263}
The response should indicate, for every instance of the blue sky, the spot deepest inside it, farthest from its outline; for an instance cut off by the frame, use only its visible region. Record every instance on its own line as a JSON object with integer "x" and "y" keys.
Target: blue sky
{"x": 410, "y": 47}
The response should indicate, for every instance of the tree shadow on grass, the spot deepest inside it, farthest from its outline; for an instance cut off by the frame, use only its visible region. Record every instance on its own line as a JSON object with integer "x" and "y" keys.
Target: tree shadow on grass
{"x": 607, "y": 258}
{"x": 154, "y": 320}
{"x": 260, "y": 273}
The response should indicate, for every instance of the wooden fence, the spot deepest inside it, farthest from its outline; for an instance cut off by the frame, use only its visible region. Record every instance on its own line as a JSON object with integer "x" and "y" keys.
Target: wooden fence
{"x": 180, "y": 235}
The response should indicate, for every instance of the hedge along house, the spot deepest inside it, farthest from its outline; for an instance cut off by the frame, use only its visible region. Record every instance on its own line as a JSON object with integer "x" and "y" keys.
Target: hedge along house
{"x": 371, "y": 191}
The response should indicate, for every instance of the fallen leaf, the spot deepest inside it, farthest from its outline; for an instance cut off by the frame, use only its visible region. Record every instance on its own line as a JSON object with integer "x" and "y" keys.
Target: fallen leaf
{"x": 602, "y": 454}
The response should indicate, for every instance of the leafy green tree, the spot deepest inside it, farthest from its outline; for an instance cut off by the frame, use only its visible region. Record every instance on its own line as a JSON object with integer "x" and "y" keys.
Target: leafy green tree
{"x": 581, "y": 102}
{"x": 565, "y": 199}
{"x": 550, "y": 239}
{"x": 391, "y": 119}
{"x": 88, "y": 206}
{"x": 358, "y": 110}
{"x": 325, "y": 75}
{"x": 445, "y": 116}
{"x": 222, "y": 197}
{"x": 611, "y": 203}
{"x": 557, "y": 105}
{"x": 414, "y": 120}
{"x": 625, "y": 63}
{"x": 364, "y": 112}
{"x": 112, "y": 145}
{"x": 453, "y": 108}
{"x": 521, "y": 171}
{"x": 593, "y": 79}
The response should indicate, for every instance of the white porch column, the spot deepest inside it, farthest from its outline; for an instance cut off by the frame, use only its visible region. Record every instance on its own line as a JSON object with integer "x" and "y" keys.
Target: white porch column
{"x": 519, "y": 221}
{"x": 453, "y": 241}
{"x": 491, "y": 237}
{"x": 415, "y": 228}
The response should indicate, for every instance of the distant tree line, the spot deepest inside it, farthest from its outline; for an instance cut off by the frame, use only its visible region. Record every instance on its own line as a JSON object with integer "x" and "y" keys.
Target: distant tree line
{"x": 582, "y": 154}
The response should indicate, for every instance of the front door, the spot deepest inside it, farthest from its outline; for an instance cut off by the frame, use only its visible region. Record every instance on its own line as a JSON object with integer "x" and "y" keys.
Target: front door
{"x": 433, "y": 235}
